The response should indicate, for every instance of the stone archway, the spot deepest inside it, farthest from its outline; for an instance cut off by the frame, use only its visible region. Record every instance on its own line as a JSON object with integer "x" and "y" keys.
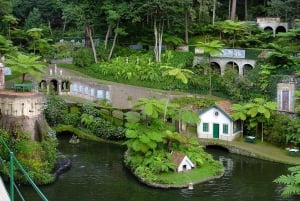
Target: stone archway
{"x": 65, "y": 85}
{"x": 269, "y": 29}
{"x": 280, "y": 29}
{"x": 215, "y": 67}
{"x": 53, "y": 86}
{"x": 43, "y": 86}
{"x": 247, "y": 68}
{"x": 233, "y": 65}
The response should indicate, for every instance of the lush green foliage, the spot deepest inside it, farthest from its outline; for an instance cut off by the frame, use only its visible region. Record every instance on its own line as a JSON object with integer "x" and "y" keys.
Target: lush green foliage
{"x": 38, "y": 158}
{"x": 291, "y": 182}
{"x": 83, "y": 57}
{"x": 85, "y": 116}
{"x": 258, "y": 111}
{"x": 26, "y": 64}
{"x": 150, "y": 140}
{"x": 55, "y": 110}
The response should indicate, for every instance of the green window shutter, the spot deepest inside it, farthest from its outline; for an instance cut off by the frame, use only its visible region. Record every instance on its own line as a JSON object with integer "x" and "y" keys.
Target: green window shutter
{"x": 225, "y": 128}
{"x": 205, "y": 127}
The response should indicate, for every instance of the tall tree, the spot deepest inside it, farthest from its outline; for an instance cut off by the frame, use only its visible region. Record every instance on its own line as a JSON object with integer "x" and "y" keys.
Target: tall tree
{"x": 5, "y": 46}
{"x": 259, "y": 111}
{"x": 288, "y": 10}
{"x": 35, "y": 34}
{"x": 210, "y": 49}
{"x": 239, "y": 112}
{"x": 26, "y": 64}
{"x": 33, "y": 19}
{"x": 233, "y": 10}
{"x": 83, "y": 15}
{"x": 161, "y": 13}
{"x": 9, "y": 20}
{"x": 115, "y": 14}
{"x": 6, "y": 7}
{"x": 232, "y": 29}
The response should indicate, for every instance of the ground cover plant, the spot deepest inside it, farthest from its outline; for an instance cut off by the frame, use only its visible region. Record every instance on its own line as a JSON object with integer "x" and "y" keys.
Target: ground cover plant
{"x": 84, "y": 116}
{"x": 38, "y": 158}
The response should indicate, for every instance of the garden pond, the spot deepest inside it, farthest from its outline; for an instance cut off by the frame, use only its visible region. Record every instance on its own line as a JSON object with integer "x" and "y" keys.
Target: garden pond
{"x": 97, "y": 173}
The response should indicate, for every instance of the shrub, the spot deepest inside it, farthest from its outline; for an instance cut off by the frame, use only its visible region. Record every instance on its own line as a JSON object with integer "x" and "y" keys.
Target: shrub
{"x": 83, "y": 57}
{"x": 38, "y": 158}
{"x": 56, "y": 108}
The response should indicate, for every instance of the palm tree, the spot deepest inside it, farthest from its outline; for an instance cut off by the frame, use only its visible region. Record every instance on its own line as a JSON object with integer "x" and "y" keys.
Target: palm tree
{"x": 210, "y": 49}
{"x": 5, "y": 46}
{"x": 177, "y": 74}
{"x": 239, "y": 112}
{"x": 232, "y": 28}
{"x": 10, "y": 20}
{"x": 36, "y": 34}
{"x": 260, "y": 111}
{"x": 26, "y": 64}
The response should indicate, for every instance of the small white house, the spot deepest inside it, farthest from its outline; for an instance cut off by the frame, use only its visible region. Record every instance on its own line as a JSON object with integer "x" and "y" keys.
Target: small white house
{"x": 182, "y": 162}
{"x": 216, "y": 123}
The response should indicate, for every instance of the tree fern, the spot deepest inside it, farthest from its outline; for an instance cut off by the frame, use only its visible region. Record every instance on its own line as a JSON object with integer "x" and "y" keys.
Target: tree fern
{"x": 291, "y": 182}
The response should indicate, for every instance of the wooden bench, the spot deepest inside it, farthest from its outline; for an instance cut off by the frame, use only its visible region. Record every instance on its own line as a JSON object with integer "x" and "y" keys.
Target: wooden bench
{"x": 23, "y": 87}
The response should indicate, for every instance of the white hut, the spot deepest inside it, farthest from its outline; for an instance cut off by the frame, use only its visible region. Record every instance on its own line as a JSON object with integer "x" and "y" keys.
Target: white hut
{"x": 182, "y": 162}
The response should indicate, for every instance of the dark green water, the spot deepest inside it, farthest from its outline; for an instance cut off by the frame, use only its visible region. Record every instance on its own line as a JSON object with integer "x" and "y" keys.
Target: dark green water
{"x": 98, "y": 174}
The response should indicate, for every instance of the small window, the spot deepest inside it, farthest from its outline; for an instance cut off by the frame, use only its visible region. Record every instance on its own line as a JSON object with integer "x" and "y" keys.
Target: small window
{"x": 225, "y": 128}
{"x": 216, "y": 113}
{"x": 205, "y": 127}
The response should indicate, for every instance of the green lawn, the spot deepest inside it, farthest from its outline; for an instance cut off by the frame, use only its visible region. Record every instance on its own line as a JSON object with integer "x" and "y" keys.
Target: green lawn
{"x": 197, "y": 175}
{"x": 260, "y": 150}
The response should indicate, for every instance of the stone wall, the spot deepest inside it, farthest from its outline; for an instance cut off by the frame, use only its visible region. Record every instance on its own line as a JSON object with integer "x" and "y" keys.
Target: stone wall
{"x": 23, "y": 112}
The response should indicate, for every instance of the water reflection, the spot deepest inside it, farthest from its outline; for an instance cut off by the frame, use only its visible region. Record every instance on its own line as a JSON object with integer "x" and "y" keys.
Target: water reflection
{"x": 98, "y": 174}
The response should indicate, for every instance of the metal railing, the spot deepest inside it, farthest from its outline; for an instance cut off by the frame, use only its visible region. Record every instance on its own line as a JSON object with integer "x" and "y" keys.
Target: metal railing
{"x": 14, "y": 162}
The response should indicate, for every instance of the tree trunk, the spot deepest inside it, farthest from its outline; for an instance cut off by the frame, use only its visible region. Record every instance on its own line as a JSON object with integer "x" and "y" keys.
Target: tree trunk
{"x": 9, "y": 35}
{"x": 262, "y": 132}
{"x": 158, "y": 34}
{"x": 210, "y": 81}
{"x": 246, "y": 10}
{"x": 214, "y": 13}
{"x": 114, "y": 41}
{"x": 233, "y": 10}
{"x": 50, "y": 29}
{"x": 87, "y": 37}
{"x": 23, "y": 77}
{"x": 229, "y": 9}
{"x": 89, "y": 33}
{"x": 64, "y": 28}
{"x": 186, "y": 27}
{"x": 108, "y": 32}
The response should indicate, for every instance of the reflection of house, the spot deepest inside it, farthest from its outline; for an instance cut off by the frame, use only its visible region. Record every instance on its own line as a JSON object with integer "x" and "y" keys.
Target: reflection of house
{"x": 181, "y": 161}
{"x": 217, "y": 123}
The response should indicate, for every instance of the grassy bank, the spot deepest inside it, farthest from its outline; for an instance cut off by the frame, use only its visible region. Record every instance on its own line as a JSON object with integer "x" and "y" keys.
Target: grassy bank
{"x": 197, "y": 175}
{"x": 259, "y": 150}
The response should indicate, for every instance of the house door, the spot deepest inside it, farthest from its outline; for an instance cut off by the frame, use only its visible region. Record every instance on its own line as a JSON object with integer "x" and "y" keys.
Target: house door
{"x": 216, "y": 131}
{"x": 285, "y": 100}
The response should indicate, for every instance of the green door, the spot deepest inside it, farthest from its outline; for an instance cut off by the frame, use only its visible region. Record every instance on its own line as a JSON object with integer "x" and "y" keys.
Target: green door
{"x": 216, "y": 131}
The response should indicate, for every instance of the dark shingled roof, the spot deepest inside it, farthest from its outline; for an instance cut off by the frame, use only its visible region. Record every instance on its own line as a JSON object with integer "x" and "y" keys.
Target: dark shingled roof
{"x": 177, "y": 157}
{"x": 225, "y": 106}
